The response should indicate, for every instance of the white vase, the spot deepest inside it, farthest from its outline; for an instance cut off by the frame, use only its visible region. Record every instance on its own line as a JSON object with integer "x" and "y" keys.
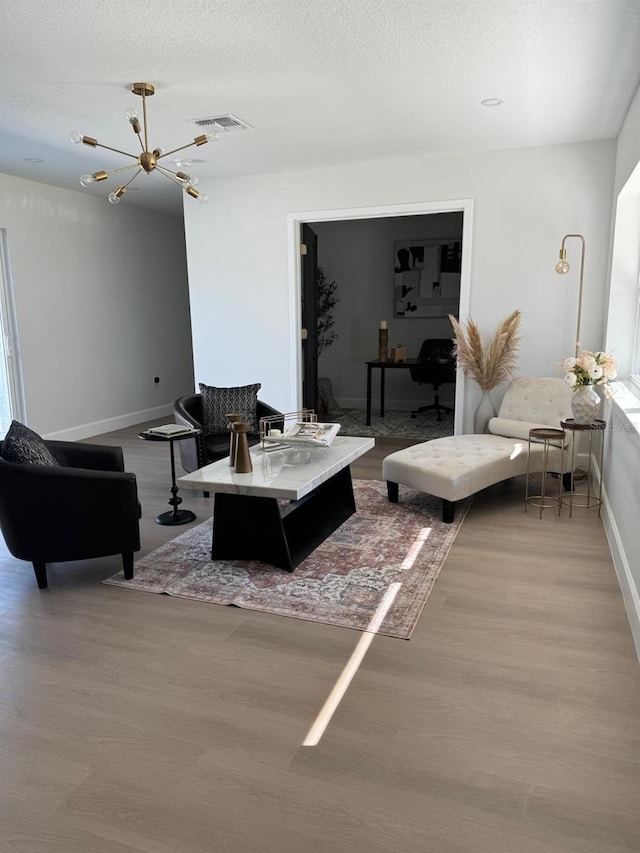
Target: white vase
{"x": 483, "y": 413}
{"x": 585, "y": 404}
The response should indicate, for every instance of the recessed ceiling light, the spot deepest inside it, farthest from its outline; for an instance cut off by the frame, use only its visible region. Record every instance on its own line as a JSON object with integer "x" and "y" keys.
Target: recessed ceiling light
{"x": 33, "y": 159}
{"x": 492, "y": 102}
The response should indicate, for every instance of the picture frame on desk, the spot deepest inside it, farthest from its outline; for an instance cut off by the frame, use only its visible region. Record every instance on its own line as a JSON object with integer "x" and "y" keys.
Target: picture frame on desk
{"x": 426, "y": 277}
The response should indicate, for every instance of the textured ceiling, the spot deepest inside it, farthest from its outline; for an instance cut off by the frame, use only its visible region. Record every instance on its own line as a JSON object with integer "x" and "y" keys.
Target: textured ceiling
{"x": 322, "y": 83}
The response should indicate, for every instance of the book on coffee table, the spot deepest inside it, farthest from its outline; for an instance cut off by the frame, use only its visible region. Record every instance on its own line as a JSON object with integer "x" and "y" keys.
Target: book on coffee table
{"x": 307, "y": 432}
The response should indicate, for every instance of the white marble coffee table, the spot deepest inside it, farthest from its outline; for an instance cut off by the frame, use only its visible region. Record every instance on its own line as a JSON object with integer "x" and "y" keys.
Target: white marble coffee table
{"x": 251, "y": 520}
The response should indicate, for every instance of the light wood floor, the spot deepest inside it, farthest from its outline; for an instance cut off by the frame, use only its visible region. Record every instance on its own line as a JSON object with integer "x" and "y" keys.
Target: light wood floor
{"x": 509, "y": 723}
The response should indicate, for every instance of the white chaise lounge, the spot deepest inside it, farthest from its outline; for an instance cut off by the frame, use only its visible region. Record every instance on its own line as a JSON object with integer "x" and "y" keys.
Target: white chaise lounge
{"x": 457, "y": 466}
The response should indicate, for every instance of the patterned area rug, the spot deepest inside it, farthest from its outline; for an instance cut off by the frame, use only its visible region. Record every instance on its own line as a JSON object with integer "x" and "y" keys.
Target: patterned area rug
{"x": 383, "y": 547}
{"x": 398, "y": 424}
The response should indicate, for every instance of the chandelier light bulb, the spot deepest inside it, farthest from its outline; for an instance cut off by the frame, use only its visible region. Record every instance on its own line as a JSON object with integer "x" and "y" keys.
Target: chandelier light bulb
{"x": 202, "y": 199}
{"x": 76, "y": 137}
{"x": 188, "y": 180}
{"x": 114, "y": 197}
{"x": 134, "y": 120}
{"x": 87, "y": 180}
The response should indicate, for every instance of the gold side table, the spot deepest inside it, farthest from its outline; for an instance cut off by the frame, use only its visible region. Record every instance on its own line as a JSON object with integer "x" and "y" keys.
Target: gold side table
{"x": 586, "y": 497}
{"x": 549, "y": 438}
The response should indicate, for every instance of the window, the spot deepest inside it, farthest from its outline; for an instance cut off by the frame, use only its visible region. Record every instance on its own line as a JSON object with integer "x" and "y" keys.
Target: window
{"x": 635, "y": 357}
{"x": 623, "y": 320}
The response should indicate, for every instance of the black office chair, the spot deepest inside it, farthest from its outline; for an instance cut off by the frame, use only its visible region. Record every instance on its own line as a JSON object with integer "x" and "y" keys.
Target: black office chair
{"x": 436, "y": 366}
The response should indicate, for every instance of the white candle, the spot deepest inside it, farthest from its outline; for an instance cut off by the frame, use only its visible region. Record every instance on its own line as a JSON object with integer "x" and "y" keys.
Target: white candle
{"x": 275, "y": 433}
{"x": 383, "y": 324}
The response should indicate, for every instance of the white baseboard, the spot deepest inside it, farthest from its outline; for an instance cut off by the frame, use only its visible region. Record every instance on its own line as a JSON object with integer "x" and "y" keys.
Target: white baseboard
{"x": 630, "y": 594}
{"x": 81, "y": 431}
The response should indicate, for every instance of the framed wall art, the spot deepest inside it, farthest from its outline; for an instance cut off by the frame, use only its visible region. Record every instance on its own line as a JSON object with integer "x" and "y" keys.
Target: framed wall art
{"x": 426, "y": 278}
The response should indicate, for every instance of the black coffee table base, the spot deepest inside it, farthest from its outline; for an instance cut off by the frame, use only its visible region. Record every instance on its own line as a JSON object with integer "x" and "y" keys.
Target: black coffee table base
{"x": 247, "y": 527}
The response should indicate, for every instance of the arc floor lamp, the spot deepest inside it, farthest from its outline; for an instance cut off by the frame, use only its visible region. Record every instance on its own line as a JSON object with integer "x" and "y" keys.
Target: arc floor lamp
{"x": 563, "y": 267}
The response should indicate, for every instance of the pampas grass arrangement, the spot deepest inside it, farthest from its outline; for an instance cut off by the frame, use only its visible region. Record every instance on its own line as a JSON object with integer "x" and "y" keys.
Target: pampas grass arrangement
{"x": 495, "y": 365}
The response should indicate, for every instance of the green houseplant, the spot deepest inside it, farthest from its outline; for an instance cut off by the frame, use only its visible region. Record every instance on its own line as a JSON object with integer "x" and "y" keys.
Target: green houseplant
{"x": 327, "y": 300}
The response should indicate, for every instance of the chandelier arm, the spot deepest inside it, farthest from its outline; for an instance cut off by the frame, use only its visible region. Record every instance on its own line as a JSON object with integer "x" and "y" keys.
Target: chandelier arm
{"x": 117, "y": 194}
{"x": 182, "y": 147}
{"x": 189, "y": 190}
{"x": 121, "y": 169}
{"x": 171, "y": 175}
{"x": 132, "y": 179}
{"x": 117, "y": 150}
{"x": 164, "y": 170}
{"x": 144, "y": 122}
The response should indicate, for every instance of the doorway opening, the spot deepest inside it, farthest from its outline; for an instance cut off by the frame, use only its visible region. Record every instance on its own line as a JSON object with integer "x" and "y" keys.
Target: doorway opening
{"x": 412, "y": 292}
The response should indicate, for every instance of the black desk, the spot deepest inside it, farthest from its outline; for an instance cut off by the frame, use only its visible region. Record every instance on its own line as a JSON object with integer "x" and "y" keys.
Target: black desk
{"x": 382, "y": 366}
{"x": 437, "y": 372}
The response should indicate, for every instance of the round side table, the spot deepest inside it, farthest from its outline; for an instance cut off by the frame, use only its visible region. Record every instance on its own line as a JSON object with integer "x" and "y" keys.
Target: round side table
{"x": 175, "y": 515}
{"x": 549, "y": 438}
{"x": 585, "y": 498}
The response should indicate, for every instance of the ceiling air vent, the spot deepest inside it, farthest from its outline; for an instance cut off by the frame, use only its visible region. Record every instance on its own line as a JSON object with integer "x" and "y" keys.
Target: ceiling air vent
{"x": 226, "y": 123}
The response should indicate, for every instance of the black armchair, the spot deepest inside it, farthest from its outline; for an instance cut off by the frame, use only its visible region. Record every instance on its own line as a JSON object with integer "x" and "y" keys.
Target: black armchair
{"x": 88, "y": 507}
{"x": 435, "y": 366}
{"x": 207, "y": 448}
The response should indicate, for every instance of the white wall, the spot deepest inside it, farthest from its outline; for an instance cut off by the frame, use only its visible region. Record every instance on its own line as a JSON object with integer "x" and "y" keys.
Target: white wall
{"x": 102, "y": 307}
{"x": 359, "y": 255}
{"x": 241, "y": 271}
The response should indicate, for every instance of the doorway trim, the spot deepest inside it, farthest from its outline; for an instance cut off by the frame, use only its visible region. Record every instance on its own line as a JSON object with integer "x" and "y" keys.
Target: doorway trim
{"x": 9, "y": 330}
{"x": 295, "y": 220}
